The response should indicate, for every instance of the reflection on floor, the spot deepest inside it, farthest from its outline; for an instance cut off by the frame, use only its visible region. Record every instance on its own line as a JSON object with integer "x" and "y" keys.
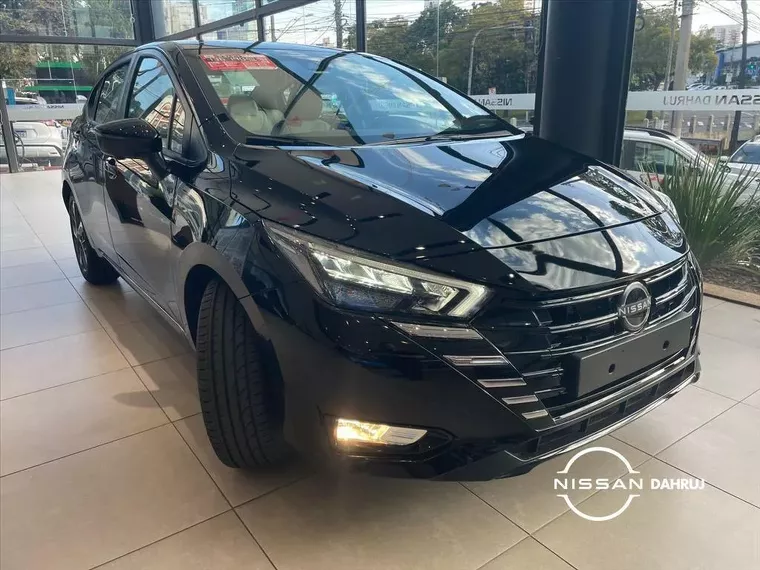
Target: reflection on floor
{"x": 105, "y": 463}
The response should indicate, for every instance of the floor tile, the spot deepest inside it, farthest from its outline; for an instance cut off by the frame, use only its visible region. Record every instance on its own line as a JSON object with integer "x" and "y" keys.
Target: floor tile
{"x": 18, "y": 240}
{"x": 173, "y": 383}
{"x": 753, "y": 400}
{"x": 54, "y": 362}
{"x": 117, "y": 289}
{"x": 710, "y": 302}
{"x": 69, "y": 267}
{"x": 222, "y": 543}
{"x": 24, "y": 257}
{"x": 148, "y": 340}
{"x": 729, "y": 368}
{"x": 46, "y": 425}
{"x": 238, "y": 485}
{"x": 61, "y": 250}
{"x": 112, "y": 309}
{"x": 28, "y": 274}
{"x": 725, "y": 453}
{"x": 661, "y": 530}
{"x": 37, "y": 295}
{"x": 735, "y": 322}
{"x": 18, "y": 329}
{"x": 94, "y": 506}
{"x": 528, "y": 554}
{"x": 674, "y": 419}
{"x": 364, "y": 522}
{"x": 530, "y": 500}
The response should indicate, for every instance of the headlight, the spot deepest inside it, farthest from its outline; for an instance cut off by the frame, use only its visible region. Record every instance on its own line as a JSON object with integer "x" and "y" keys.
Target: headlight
{"x": 350, "y": 278}
{"x": 669, "y": 205}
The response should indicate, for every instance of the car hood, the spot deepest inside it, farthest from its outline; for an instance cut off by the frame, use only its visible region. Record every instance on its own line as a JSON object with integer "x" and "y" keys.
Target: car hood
{"x": 432, "y": 203}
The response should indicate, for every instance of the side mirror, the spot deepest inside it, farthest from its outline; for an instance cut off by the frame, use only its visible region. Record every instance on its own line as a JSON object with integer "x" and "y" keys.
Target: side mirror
{"x": 723, "y": 159}
{"x": 128, "y": 138}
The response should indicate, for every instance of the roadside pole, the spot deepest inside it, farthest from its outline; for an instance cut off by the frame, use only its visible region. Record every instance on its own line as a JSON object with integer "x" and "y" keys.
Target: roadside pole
{"x": 734, "y": 141}
{"x": 682, "y": 58}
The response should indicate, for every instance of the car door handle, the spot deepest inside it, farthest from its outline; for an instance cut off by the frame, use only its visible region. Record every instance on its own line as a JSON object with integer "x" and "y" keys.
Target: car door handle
{"x": 111, "y": 167}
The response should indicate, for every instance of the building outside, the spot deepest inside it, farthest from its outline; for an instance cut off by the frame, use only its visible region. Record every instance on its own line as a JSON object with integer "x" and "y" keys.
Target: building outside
{"x": 728, "y": 35}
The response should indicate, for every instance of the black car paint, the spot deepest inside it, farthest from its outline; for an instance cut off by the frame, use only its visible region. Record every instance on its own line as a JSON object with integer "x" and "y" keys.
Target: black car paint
{"x": 520, "y": 214}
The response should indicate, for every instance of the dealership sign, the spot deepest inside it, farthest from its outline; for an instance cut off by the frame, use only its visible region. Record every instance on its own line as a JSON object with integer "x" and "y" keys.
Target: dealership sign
{"x": 58, "y": 111}
{"x": 707, "y": 100}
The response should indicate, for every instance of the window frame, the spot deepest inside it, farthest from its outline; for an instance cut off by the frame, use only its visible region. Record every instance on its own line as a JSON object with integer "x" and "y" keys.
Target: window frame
{"x": 179, "y": 95}
{"x": 91, "y": 109}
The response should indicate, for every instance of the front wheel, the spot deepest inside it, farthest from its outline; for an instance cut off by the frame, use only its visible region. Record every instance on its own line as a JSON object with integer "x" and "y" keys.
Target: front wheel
{"x": 240, "y": 394}
{"x": 94, "y": 269}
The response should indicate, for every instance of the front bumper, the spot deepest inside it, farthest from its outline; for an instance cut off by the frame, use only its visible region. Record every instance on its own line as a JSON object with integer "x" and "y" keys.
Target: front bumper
{"x": 336, "y": 363}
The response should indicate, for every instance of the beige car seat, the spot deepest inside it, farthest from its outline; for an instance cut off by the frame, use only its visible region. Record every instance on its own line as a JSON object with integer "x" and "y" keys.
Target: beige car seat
{"x": 269, "y": 98}
{"x": 304, "y": 116}
{"x": 244, "y": 111}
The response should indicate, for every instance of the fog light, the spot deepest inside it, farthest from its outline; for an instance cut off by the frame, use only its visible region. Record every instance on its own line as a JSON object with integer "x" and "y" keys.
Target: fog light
{"x": 350, "y": 432}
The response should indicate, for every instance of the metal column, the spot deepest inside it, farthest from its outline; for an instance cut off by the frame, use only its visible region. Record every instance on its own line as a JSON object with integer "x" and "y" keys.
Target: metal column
{"x": 361, "y": 25}
{"x": 6, "y": 131}
{"x": 584, "y": 70}
{"x": 143, "y": 14}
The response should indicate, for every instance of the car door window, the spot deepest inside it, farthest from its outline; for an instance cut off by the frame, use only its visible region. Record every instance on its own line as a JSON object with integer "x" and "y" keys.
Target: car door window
{"x": 654, "y": 157}
{"x": 109, "y": 98}
{"x": 152, "y": 97}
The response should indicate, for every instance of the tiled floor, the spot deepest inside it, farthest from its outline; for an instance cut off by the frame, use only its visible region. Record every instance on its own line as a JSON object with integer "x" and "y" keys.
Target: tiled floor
{"x": 105, "y": 463}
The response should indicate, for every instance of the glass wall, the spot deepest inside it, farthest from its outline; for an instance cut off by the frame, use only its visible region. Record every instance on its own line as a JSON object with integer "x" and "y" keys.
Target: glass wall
{"x": 325, "y": 22}
{"x": 45, "y": 86}
{"x": 213, "y": 10}
{"x": 442, "y": 37}
{"x": 172, "y": 16}
{"x": 74, "y": 18}
{"x": 246, "y": 31}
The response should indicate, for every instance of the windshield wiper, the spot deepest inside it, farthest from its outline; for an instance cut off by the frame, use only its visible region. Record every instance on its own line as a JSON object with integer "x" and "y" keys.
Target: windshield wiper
{"x": 273, "y": 139}
{"x": 447, "y": 135}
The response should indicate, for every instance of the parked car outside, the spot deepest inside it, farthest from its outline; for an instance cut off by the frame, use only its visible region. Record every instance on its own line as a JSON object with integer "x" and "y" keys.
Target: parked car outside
{"x": 402, "y": 299}
{"x": 654, "y": 153}
{"x": 40, "y": 142}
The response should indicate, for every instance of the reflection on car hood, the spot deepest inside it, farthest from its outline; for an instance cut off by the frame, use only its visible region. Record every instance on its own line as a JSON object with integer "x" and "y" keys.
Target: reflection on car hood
{"x": 417, "y": 202}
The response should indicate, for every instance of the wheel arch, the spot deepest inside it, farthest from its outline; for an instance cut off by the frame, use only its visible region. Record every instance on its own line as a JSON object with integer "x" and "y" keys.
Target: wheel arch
{"x": 199, "y": 264}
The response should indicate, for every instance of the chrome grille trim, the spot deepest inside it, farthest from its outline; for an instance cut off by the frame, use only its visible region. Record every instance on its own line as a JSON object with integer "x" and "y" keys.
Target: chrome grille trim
{"x": 502, "y": 383}
{"x": 431, "y": 331}
{"x": 546, "y": 372}
{"x": 493, "y": 360}
{"x": 581, "y": 298}
{"x": 584, "y": 324}
{"x": 530, "y": 399}
{"x": 680, "y": 288}
{"x": 665, "y": 274}
{"x": 535, "y": 414}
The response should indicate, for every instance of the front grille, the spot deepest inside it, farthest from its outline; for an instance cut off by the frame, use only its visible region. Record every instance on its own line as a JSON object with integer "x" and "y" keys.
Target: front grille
{"x": 538, "y": 337}
{"x": 598, "y": 421}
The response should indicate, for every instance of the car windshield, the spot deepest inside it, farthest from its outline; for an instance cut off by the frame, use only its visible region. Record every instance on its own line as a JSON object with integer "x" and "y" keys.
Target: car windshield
{"x": 747, "y": 154}
{"x": 337, "y": 98}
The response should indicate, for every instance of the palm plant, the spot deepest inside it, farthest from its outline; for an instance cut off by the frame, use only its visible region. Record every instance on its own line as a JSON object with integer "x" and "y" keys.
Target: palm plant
{"x": 719, "y": 211}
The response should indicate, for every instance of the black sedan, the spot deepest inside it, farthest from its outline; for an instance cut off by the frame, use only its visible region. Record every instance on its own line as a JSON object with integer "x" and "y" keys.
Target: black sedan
{"x": 371, "y": 267}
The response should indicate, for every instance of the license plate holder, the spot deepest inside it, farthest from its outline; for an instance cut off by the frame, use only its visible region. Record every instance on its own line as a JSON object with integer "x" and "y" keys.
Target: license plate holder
{"x": 593, "y": 370}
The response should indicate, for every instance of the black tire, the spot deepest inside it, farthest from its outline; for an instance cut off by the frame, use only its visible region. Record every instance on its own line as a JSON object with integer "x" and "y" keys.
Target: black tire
{"x": 95, "y": 269}
{"x": 240, "y": 392}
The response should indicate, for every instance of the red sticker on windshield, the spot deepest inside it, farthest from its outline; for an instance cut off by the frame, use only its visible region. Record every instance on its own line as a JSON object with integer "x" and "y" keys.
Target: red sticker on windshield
{"x": 237, "y": 62}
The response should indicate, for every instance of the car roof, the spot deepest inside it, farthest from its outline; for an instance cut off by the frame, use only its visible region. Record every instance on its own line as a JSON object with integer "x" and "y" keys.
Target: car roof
{"x": 645, "y": 133}
{"x": 192, "y": 45}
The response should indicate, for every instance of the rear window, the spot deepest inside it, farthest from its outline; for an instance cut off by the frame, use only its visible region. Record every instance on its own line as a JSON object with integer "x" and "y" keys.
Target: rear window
{"x": 337, "y": 98}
